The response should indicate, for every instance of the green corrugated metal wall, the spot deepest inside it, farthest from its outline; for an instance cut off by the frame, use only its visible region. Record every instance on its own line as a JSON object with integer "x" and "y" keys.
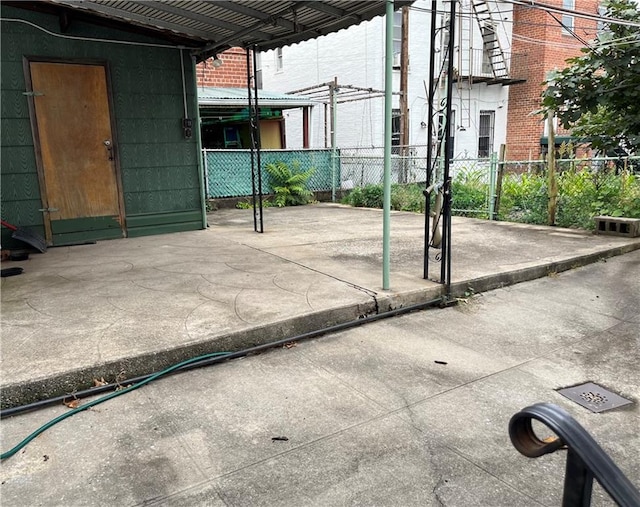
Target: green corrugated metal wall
{"x": 159, "y": 168}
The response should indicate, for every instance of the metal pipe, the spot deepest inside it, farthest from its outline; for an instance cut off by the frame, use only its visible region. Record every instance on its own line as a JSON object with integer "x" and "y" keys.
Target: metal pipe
{"x": 258, "y": 141}
{"x": 445, "y": 271}
{"x": 430, "y": 97}
{"x": 334, "y": 124}
{"x": 252, "y": 143}
{"x": 198, "y": 134}
{"x": 386, "y": 198}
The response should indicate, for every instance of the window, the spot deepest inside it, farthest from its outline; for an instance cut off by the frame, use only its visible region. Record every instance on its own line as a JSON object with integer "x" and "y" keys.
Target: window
{"x": 485, "y": 133}
{"x": 395, "y": 127}
{"x": 397, "y": 38}
{"x": 568, "y": 22}
{"x": 279, "y": 60}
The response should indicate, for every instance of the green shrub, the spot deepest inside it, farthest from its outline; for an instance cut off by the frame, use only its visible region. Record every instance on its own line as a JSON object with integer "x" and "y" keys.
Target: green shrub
{"x": 469, "y": 192}
{"x": 248, "y": 203}
{"x": 407, "y": 197}
{"x": 354, "y": 198}
{"x": 524, "y": 198}
{"x": 582, "y": 194}
{"x": 289, "y": 185}
{"x": 372, "y": 196}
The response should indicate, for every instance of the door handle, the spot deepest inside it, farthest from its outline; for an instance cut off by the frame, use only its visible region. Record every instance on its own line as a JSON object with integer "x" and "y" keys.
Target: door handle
{"x": 109, "y": 146}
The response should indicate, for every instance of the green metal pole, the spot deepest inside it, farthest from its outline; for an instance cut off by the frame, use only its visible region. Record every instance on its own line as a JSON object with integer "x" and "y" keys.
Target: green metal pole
{"x": 334, "y": 125}
{"x": 198, "y": 134}
{"x": 386, "y": 182}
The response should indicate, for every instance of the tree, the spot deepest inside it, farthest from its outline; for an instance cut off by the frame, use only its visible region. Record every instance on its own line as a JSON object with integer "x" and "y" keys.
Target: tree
{"x": 597, "y": 96}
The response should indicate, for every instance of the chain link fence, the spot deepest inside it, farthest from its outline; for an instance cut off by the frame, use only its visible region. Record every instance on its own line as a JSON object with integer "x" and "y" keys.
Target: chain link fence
{"x": 594, "y": 164}
{"x": 229, "y": 171}
{"x": 476, "y": 182}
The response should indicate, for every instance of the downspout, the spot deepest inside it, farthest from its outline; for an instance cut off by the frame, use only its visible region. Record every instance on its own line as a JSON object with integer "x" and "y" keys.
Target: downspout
{"x": 386, "y": 199}
{"x": 203, "y": 200}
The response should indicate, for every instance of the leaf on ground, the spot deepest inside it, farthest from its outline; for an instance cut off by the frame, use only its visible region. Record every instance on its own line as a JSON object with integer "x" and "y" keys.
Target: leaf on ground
{"x": 290, "y": 345}
{"x": 99, "y": 382}
{"x": 72, "y": 403}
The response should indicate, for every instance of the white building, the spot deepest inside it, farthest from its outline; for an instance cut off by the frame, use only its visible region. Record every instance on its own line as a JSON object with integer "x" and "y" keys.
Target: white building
{"x": 355, "y": 56}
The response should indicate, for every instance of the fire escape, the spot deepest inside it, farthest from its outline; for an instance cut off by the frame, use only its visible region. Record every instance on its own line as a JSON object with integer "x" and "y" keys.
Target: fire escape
{"x": 490, "y": 64}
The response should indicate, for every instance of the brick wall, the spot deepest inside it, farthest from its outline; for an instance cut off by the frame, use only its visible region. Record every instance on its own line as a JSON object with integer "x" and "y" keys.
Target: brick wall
{"x": 531, "y": 26}
{"x": 232, "y": 73}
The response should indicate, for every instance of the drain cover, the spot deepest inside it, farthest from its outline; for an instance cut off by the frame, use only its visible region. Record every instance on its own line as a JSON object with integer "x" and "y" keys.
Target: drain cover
{"x": 594, "y": 397}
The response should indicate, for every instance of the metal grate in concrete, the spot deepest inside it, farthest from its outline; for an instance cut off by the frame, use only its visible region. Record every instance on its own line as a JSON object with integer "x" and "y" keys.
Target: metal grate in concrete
{"x": 594, "y": 397}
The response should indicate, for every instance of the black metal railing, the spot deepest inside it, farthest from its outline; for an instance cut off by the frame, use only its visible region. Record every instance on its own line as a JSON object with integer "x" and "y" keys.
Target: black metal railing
{"x": 586, "y": 460}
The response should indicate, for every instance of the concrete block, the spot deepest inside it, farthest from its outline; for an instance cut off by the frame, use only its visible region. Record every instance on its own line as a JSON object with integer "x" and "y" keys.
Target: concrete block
{"x": 618, "y": 226}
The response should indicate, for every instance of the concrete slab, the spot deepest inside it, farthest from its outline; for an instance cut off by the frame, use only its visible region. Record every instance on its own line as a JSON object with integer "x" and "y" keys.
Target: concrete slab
{"x": 123, "y": 308}
{"x": 370, "y": 417}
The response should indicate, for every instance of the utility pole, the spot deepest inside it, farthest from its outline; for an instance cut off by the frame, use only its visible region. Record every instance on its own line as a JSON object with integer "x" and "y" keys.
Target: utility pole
{"x": 404, "y": 106}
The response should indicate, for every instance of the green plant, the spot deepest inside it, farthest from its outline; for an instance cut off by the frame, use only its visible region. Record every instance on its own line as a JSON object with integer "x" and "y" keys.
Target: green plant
{"x": 524, "y": 198}
{"x": 354, "y": 198}
{"x": 597, "y": 94}
{"x": 469, "y": 192}
{"x": 407, "y": 197}
{"x": 248, "y": 203}
{"x": 582, "y": 194}
{"x": 289, "y": 184}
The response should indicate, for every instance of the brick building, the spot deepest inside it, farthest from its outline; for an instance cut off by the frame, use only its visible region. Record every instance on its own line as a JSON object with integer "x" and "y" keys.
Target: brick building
{"x": 231, "y": 74}
{"x": 223, "y": 101}
{"x": 548, "y": 44}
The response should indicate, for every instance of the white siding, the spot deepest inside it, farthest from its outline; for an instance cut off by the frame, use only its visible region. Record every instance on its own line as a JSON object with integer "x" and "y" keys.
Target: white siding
{"x": 356, "y": 57}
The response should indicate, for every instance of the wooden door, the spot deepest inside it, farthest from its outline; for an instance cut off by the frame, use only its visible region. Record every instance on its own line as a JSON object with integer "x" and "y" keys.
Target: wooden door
{"x": 81, "y": 195}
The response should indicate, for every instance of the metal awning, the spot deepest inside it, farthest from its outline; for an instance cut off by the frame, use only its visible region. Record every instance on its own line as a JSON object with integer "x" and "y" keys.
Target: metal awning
{"x": 213, "y": 26}
{"x": 234, "y": 97}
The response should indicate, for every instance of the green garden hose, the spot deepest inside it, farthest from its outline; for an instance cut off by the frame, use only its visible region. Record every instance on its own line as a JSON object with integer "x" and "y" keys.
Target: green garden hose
{"x": 93, "y": 403}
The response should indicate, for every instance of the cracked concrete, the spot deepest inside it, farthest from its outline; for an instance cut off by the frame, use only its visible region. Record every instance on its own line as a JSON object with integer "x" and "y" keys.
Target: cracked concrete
{"x": 141, "y": 304}
{"x": 410, "y": 410}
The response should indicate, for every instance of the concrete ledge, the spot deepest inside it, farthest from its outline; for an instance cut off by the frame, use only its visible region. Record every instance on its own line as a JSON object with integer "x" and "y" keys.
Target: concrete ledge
{"x": 60, "y": 384}
{"x": 130, "y": 367}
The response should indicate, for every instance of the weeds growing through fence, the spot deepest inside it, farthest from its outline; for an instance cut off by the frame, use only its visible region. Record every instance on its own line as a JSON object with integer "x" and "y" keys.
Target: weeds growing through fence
{"x": 582, "y": 194}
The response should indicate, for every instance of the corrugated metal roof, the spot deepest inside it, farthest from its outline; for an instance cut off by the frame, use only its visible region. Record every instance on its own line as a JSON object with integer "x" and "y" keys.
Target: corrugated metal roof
{"x": 208, "y": 96}
{"x": 214, "y": 26}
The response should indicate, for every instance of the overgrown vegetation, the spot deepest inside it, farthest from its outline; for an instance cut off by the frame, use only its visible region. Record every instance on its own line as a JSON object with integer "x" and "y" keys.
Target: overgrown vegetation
{"x": 248, "y": 203}
{"x": 289, "y": 184}
{"x": 582, "y": 194}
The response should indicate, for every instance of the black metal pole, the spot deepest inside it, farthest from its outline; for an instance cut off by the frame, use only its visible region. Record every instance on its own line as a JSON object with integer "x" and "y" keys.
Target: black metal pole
{"x": 258, "y": 142}
{"x": 252, "y": 143}
{"x": 430, "y": 96}
{"x": 445, "y": 267}
{"x": 578, "y": 482}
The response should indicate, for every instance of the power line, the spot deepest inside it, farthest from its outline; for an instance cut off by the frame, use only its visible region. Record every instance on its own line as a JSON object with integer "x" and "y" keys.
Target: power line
{"x": 549, "y": 8}
{"x": 572, "y": 12}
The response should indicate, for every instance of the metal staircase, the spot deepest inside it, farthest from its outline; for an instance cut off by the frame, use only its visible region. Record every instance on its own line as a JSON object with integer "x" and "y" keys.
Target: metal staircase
{"x": 491, "y": 42}
{"x": 465, "y": 65}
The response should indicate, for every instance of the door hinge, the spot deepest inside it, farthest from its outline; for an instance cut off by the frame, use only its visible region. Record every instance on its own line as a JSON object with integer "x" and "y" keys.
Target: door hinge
{"x": 33, "y": 94}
